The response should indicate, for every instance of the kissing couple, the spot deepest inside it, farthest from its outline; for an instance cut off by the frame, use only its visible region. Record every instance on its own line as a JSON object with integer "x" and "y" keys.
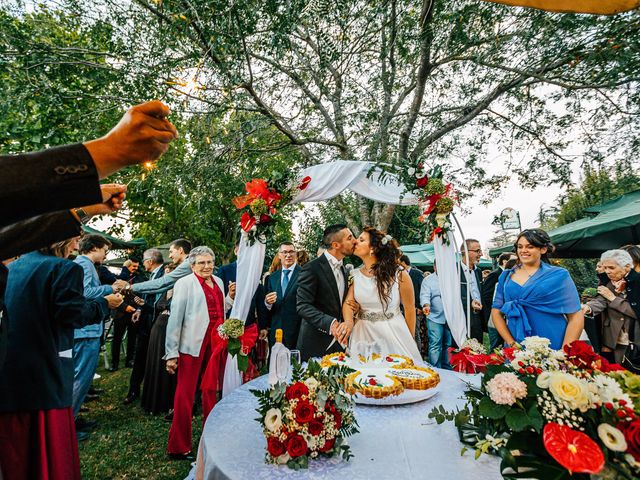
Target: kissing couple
{"x": 337, "y": 312}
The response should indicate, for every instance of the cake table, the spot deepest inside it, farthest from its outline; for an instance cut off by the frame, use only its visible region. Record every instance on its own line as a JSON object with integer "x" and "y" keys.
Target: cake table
{"x": 395, "y": 442}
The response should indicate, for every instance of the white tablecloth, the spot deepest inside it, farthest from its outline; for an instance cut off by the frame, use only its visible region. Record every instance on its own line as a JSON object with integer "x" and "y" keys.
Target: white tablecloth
{"x": 397, "y": 443}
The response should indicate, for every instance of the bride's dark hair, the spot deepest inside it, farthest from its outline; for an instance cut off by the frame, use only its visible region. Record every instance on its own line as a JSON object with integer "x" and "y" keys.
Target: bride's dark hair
{"x": 387, "y": 253}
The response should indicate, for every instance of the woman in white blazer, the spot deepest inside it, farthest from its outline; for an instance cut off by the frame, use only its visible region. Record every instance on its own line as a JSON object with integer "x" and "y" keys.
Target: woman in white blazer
{"x": 197, "y": 309}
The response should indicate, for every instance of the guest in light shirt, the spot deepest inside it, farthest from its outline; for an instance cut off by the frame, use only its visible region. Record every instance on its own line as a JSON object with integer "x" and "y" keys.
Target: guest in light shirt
{"x": 439, "y": 334}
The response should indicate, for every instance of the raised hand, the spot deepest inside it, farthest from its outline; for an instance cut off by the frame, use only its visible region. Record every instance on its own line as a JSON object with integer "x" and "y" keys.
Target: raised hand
{"x": 142, "y": 135}
{"x": 113, "y": 195}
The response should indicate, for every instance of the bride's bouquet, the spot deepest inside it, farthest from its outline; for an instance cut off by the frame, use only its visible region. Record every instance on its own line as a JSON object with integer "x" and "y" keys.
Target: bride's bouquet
{"x": 308, "y": 418}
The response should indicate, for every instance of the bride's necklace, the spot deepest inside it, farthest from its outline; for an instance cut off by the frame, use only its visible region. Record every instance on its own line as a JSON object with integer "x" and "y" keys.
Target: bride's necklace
{"x": 368, "y": 271}
{"x": 529, "y": 275}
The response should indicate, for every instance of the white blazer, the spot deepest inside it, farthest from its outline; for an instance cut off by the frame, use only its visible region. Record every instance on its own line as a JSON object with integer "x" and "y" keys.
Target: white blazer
{"x": 189, "y": 317}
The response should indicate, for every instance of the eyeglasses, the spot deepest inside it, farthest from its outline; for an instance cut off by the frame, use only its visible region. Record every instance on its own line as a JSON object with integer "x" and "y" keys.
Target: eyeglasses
{"x": 288, "y": 252}
{"x": 205, "y": 263}
{"x": 145, "y": 260}
{"x": 478, "y": 250}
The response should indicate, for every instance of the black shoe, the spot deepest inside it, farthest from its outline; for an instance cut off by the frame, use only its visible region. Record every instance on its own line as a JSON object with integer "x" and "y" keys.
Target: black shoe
{"x": 169, "y": 416}
{"x": 129, "y": 364}
{"x": 112, "y": 369}
{"x": 83, "y": 409}
{"x": 132, "y": 397}
{"x": 95, "y": 391}
{"x": 181, "y": 456}
{"x": 83, "y": 425}
{"x": 82, "y": 436}
{"x": 91, "y": 397}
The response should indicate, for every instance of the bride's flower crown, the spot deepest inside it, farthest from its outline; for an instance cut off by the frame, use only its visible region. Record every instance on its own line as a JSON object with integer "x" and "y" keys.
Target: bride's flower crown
{"x": 386, "y": 239}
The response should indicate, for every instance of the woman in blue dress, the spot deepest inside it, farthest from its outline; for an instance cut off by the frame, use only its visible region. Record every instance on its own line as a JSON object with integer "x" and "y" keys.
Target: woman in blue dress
{"x": 536, "y": 298}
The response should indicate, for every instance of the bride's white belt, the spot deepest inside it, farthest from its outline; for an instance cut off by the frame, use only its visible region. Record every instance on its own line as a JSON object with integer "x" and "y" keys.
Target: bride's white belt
{"x": 377, "y": 316}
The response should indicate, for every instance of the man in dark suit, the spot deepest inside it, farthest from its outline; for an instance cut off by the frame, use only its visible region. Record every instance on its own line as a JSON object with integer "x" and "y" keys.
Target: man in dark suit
{"x": 152, "y": 262}
{"x": 227, "y": 273}
{"x": 322, "y": 287}
{"x": 487, "y": 290}
{"x": 471, "y": 281}
{"x": 416, "y": 276}
{"x": 280, "y": 298}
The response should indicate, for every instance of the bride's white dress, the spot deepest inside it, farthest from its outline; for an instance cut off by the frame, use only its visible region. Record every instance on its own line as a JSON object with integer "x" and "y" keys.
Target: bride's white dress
{"x": 386, "y": 327}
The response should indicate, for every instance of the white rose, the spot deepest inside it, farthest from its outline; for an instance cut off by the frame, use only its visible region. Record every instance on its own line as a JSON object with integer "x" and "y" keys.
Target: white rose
{"x": 411, "y": 171}
{"x": 283, "y": 459}
{"x": 569, "y": 389}
{"x": 612, "y": 438}
{"x": 420, "y": 174}
{"x": 311, "y": 383}
{"x": 543, "y": 379}
{"x": 273, "y": 419}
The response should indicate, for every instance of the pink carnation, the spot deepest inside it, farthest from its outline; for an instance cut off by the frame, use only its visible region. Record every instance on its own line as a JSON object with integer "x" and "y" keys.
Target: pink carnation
{"x": 505, "y": 388}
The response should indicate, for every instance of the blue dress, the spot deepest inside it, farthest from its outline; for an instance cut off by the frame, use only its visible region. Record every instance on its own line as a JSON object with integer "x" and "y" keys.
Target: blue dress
{"x": 539, "y": 306}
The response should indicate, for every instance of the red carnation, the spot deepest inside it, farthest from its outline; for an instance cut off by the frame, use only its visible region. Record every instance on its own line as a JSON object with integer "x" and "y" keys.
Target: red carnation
{"x": 264, "y": 219}
{"x": 337, "y": 417}
{"x": 297, "y": 390}
{"x": 328, "y": 445}
{"x": 296, "y": 445}
{"x": 631, "y": 432}
{"x": 315, "y": 427}
{"x": 422, "y": 182}
{"x": 304, "y": 412}
{"x": 275, "y": 447}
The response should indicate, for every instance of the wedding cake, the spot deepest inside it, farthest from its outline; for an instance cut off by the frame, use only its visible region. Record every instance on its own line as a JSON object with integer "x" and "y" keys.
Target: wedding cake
{"x": 380, "y": 376}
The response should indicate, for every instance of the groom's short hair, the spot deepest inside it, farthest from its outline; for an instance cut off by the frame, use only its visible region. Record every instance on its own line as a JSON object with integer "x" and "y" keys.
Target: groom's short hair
{"x": 329, "y": 234}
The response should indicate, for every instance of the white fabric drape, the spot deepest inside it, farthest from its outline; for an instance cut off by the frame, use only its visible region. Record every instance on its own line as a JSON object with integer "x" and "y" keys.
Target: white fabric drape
{"x": 249, "y": 269}
{"x": 331, "y": 179}
{"x": 449, "y": 281}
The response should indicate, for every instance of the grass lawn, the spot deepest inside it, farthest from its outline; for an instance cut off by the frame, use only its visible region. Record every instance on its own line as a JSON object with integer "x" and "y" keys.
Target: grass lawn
{"x": 128, "y": 443}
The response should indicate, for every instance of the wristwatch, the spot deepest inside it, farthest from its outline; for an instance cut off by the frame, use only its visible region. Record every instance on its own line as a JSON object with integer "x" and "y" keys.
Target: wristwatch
{"x": 82, "y": 215}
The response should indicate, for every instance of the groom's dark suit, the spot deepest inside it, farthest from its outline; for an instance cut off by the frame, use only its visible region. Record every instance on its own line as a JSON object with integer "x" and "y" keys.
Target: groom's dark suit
{"x": 318, "y": 304}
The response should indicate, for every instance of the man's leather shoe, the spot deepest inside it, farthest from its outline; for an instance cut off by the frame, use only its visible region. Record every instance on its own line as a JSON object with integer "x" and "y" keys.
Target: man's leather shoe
{"x": 169, "y": 416}
{"x": 91, "y": 397}
{"x": 83, "y": 409}
{"x": 82, "y": 436}
{"x": 129, "y": 364}
{"x": 181, "y": 456}
{"x": 95, "y": 391}
{"x": 132, "y": 397}
{"x": 112, "y": 369}
{"x": 83, "y": 425}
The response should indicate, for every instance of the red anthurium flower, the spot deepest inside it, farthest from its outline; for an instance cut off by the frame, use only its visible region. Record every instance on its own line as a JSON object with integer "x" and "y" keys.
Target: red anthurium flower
{"x": 258, "y": 188}
{"x": 242, "y": 201}
{"x": 304, "y": 183}
{"x": 574, "y": 450}
{"x": 247, "y": 221}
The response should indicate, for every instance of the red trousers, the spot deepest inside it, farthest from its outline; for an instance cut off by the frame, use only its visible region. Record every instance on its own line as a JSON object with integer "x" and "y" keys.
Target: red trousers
{"x": 189, "y": 374}
{"x": 40, "y": 444}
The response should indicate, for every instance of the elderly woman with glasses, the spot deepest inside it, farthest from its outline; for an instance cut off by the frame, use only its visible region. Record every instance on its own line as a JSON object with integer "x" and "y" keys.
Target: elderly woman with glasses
{"x": 198, "y": 307}
{"x": 612, "y": 302}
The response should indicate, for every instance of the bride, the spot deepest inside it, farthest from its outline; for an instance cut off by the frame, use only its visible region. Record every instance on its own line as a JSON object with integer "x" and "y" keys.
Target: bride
{"x": 379, "y": 287}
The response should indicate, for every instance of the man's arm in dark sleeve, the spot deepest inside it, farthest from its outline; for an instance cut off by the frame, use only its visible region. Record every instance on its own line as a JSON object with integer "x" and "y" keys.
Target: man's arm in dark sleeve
{"x": 51, "y": 180}
{"x": 37, "y": 232}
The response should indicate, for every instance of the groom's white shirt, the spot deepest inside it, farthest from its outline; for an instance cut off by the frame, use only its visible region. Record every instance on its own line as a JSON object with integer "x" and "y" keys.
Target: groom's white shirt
{"x": 337, "y": 273}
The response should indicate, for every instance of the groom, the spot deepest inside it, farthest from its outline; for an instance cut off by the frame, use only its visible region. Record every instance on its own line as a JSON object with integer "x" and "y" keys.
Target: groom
{"x": 322, "y": 287}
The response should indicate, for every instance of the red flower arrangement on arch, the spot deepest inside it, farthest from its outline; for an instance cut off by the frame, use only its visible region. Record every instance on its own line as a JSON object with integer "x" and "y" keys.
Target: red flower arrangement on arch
{"x": 263, "y": 201}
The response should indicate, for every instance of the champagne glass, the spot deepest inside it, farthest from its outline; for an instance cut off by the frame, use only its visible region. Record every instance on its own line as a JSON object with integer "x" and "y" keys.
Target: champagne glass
{"x": 283, "y": 365}
{"x": 295, "y": 357}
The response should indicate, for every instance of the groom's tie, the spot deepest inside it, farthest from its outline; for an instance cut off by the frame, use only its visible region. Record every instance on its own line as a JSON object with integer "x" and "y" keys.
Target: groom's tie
{"x": 285, "y": 280}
